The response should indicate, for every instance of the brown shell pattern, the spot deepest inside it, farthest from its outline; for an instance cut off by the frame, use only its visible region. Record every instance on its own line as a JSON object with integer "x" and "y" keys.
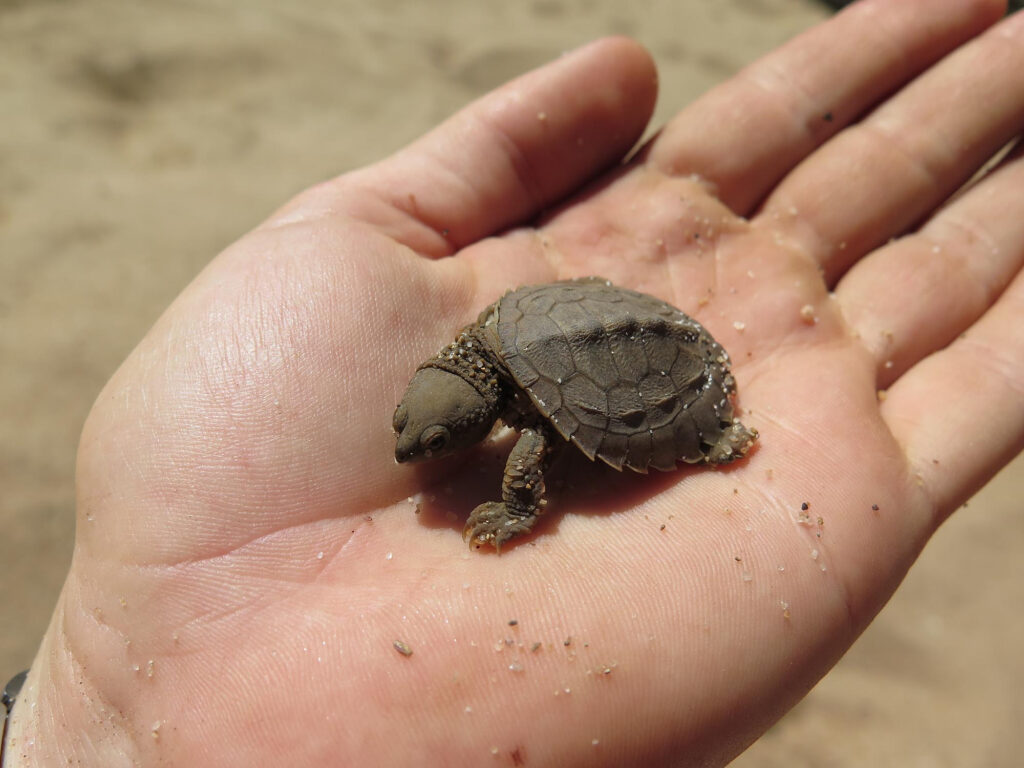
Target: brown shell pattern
{"x": 628, "y": 378}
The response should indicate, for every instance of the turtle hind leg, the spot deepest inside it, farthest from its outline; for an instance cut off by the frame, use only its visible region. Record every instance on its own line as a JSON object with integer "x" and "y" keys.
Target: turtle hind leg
{"x": 733, "y": 443}
{"x": 522, "y": 493}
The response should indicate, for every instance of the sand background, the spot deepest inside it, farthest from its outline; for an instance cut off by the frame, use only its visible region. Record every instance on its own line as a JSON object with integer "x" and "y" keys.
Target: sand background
{"x": 138, "y": 139}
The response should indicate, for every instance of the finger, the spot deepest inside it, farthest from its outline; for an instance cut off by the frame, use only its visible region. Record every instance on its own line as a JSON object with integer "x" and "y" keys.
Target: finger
{"x": 881, "y": 176}
{"x": 959, "y": 414}
{"x": 505, "y": 157}
{"x": 913, "y": 296}
{"x": 745, "y": 135}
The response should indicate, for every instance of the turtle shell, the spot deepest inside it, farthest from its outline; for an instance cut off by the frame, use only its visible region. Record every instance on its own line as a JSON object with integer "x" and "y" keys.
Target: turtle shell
{"x": 628, "y": 378}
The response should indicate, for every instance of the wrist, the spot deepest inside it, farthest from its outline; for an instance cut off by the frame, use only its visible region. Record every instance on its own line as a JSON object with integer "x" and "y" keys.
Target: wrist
{"x": 58, "y": 717}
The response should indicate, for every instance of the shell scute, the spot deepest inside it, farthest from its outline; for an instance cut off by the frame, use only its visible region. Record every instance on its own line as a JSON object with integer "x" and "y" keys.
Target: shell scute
{"x": 630, "y": 360}
{"x": 566, "y": 424}
{"x": 587, "y": 401}
{"x": 626, "y": 406}
{"x": 685, "y": 434}
{"x": 663, "y": 448}
{"x": 686, "y": 370}
{"x": 537, "y": 304}
{"x": 555, "y": 360}
{"x": 662, "y": 351}
{"x": 588, "y": 439}
{"x": 548, "y": 394}
{"x": 638, "y": 450}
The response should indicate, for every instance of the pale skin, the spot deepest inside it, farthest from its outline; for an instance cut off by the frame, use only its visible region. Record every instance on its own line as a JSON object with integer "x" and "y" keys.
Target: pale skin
{"x": 245, "y": 553}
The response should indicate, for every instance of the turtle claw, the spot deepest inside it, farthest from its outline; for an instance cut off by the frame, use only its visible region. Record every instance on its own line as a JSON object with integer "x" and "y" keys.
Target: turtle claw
{"x": 492, "y": 523}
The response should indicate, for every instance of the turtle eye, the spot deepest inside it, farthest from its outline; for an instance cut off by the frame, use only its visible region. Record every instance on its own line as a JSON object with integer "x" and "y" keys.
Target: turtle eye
{"x": 434, "y": 438}
{"x": 400, "y": 419}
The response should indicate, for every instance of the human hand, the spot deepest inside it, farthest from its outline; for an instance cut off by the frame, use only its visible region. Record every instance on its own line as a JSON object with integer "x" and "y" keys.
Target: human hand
{"x": 246, "y": 555}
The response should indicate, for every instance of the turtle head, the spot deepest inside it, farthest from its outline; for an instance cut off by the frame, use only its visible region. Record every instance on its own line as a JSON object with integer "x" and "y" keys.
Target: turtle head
{"x": 441, "y": 413}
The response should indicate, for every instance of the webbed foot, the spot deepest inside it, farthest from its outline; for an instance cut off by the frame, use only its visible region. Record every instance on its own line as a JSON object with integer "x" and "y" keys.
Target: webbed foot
{"x": 493, "y": 523}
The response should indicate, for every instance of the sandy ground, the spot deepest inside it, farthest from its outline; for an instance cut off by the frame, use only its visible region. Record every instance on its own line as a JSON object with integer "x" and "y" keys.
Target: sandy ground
{"x": 139, "y": 139}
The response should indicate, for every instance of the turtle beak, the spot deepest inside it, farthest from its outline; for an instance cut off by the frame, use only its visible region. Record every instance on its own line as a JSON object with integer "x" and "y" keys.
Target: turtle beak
{"x": 405, "y": 449}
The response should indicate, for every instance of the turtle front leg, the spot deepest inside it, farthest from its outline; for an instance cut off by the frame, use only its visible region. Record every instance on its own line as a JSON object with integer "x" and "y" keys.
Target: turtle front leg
{"x": 522, "y": 493}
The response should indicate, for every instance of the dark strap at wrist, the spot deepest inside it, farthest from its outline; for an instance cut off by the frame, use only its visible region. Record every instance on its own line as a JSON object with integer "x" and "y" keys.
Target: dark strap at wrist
{"x": 11, "y": 691}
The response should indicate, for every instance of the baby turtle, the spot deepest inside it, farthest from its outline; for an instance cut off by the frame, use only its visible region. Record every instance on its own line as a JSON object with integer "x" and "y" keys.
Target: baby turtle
{"x": 623, "y": 376}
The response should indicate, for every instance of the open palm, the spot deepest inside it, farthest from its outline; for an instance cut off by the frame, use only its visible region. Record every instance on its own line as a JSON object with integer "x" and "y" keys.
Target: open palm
{"x": 247, "y": 548}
